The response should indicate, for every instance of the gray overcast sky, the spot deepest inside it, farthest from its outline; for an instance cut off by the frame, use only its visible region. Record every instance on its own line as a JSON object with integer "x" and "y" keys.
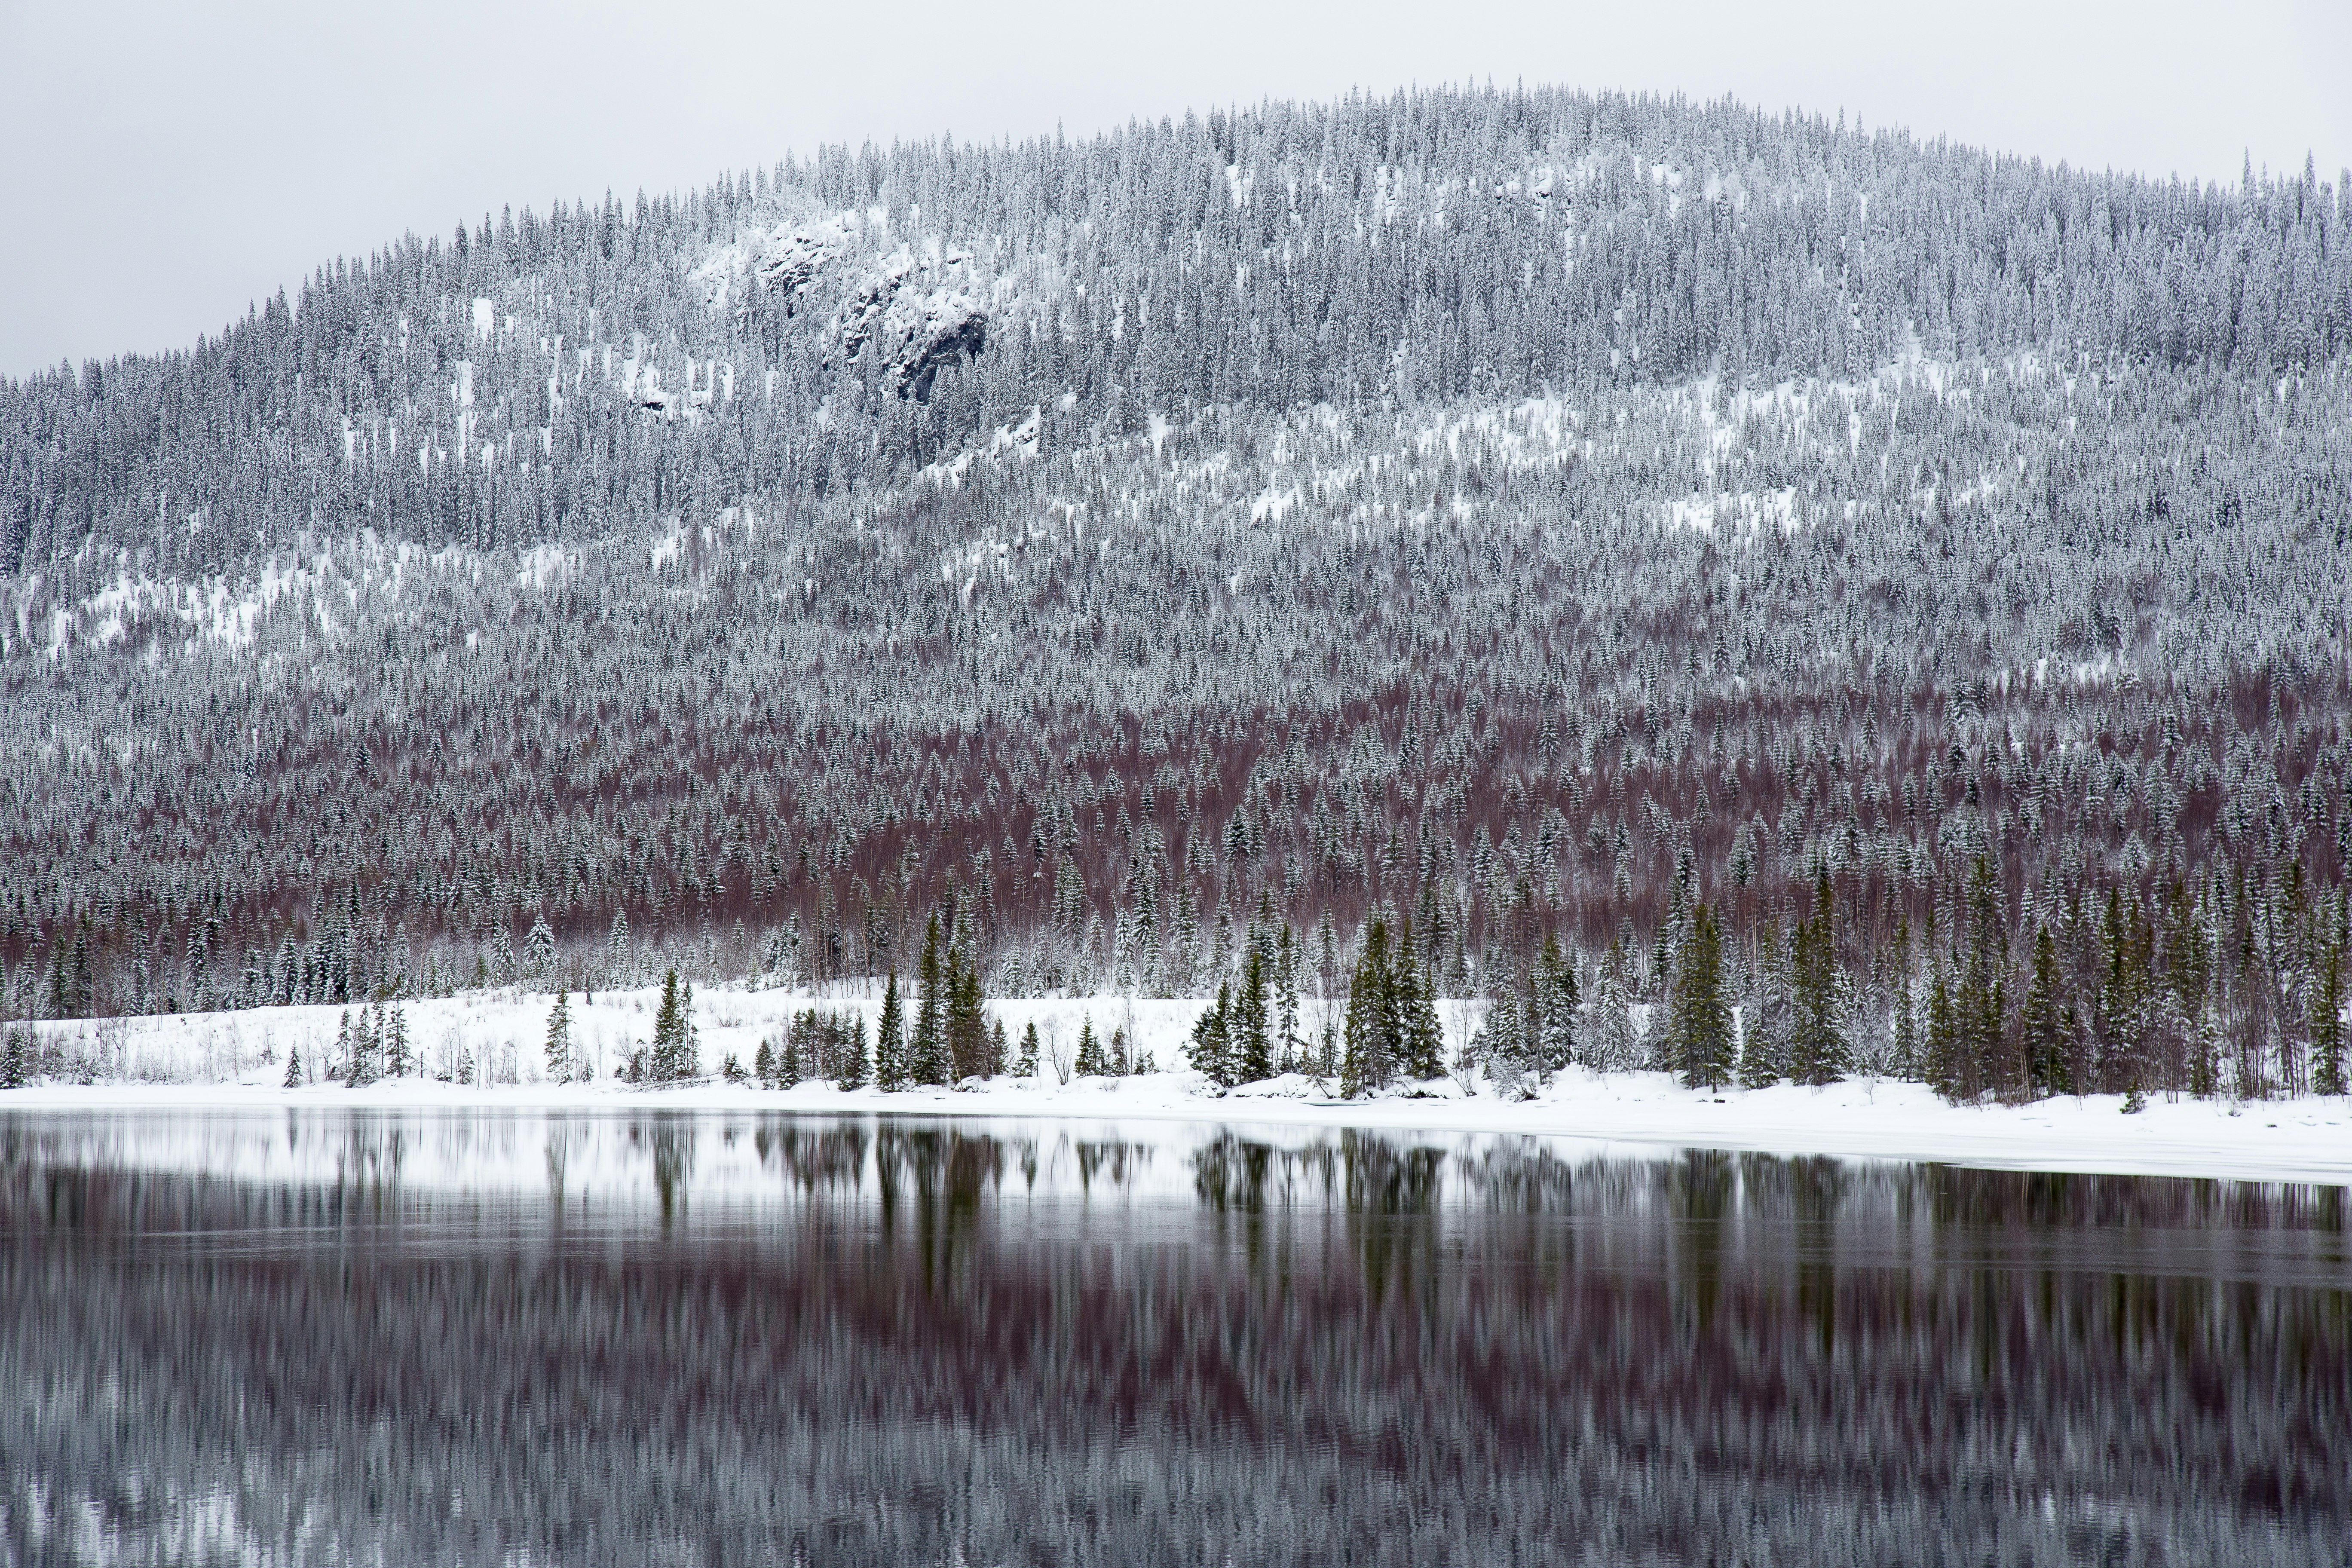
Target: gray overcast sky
{"x": 167, "y": 162}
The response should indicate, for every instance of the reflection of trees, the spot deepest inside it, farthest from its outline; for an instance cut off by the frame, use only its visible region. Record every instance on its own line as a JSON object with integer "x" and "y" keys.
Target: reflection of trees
{"x": 668, "y": 1143}
{"x": 1434, "y": 1375}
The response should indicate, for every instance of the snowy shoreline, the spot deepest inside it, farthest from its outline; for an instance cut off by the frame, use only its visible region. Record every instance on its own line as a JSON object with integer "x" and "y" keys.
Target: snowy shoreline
{"x": 235, "y": 1061}
{"x": 1635, "y": 1113}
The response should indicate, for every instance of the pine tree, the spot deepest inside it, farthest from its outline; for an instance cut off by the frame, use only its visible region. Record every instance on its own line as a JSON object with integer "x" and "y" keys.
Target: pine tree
{"x": 997, "y": 1050}
{"x": 559, "y": 1038}
{"x": 2042, "y": 1021}
{"x": 1943, "y": 1056}
{"x": 853, "y": 1061}
{"x": 397, "y": 1060}
{"x": 1557, "y": 1001}
{"x": 1614, "y": 1047}
{"x": 616, "y": 950}
{"x": 340, "y": 1064}
{"x": 293, "y": 1068}
{"x": 889, "y": 1040}
{"x": 1090, "y": 1063}
{"x": 1289, "y": 1046}
{"x": 1818, "y": 1048}
{"x": 674, "y": 1052}
{"x": 927, "y": 1050}
{"x": 1371, "y": 1040}
{"x": 1701, "y": 1040}
{"x": 764, "y": 1067}
{"x": 1251, "y": 1052}
{"x": 1767, "y": 1020}
{"x": 361, "y": 1069}
{"x": 1026, "y": 1064}
{"x": 963, "y": 1019}
{"x": 15, "y": 1066}
{"x": 2327, "y": 1075}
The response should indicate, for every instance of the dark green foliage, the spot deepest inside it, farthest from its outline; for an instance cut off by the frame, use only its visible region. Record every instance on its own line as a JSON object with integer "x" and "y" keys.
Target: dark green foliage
{"x": 927, "y": 1046}
{"x": 673, "y": 1055}
{"x": 1819, "y": 1050}
{"x": 1211, "y": 1052}
{"x": 890, "y": 1040}
{"x": 1250, "y": 1048}
{"x": 1025, "y": 1064}
{"x": 1701, "y": 1040}
{"x": 1374, "y": 1029}
{"x": 1091, "y": 1062}
{"x": 2042, "y": 1022}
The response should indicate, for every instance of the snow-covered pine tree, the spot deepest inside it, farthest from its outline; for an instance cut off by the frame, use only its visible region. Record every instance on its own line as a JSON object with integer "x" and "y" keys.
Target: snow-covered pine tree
{"x": 558, "y": 1046}
{"x": 1701, "y": 1041}
{"x": 890, "y": 1039}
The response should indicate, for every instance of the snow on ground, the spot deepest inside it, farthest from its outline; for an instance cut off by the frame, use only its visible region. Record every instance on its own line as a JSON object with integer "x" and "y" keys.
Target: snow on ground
{"x": 237, "y": 1061}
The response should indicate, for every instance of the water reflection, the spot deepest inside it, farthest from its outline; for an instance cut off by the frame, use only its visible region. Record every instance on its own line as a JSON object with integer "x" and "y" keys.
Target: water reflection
{"x": 662, "y": 1339}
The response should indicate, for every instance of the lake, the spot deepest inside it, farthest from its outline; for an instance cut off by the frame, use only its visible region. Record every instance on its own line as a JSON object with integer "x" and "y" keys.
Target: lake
{"x": 643, "y": 1338}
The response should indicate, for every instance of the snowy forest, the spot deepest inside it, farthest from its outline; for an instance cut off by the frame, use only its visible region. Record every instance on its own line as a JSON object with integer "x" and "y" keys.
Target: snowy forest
{"x": 1746, "y": 594}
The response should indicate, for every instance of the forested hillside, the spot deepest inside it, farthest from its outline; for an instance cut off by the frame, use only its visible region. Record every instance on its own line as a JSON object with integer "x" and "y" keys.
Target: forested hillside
{"x": 1625, "y": 541}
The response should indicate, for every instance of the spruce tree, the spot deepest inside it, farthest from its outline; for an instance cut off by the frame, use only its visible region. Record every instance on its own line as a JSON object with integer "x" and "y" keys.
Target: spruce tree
{"x": 1026, "y": 1064}
{"x": 16, "y": 1068}
{"x": 1771, "y": 1007}
{"x": 1372, "y": 1042}
{"x": 397, "y": 1061}
{"x": 1212, "y": 1050}
{"x": 293, "y": 1068}
{"x": 1818, "y": 1049}
{"x": 2041, "y": 1021}
{"x": 1090, "y": 1063}
{"x": 1252, "y": 1058}
{"x": 1702, "y": 1041}
{"x": 889, "y": 1040}
{"x": 2327, "y": 1075}
{"x": 559, "y": 1038}
{"x": 1557, "y": 1001}
{"x": 673, "y": 1053}
{"x": 764, "y": 1067}
{"x": 853, "y": 1058}
{"x": 927, "y": 1052}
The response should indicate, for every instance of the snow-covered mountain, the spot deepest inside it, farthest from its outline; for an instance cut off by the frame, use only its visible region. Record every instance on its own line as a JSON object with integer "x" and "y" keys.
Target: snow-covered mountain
{"x": 1528, "y": 514}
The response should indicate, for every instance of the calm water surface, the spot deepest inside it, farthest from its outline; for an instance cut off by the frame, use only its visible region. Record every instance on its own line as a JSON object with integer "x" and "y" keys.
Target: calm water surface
{"x": 645, "y": 1339}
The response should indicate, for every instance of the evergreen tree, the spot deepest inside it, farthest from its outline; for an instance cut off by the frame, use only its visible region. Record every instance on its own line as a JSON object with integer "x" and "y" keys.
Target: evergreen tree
{"x": 2327, "y": 1075}
{"x": 997, "y": 1050}
{"x": 1090, "y": 1063}
{"x": 673, "y": 1055}
{"x": 560, "y": 1065}
{"x": 2041, "y": 1021}
{"x": 1025, "y": 1066}
{"x": 1250, "y": 1054}
{"x": 397, "y": 1060}
{"x": 963, "y": 1019}
{"x": 764, "y": 1066}
{"x": 1768, "y": 1021}
{"x": 15, "y": 1065}
{"x": 1944, "y": 1071}
{"x": 1288, "y": 1044}
{"x": 1818, "y": 1049}
{"x": 927, "y": 1050}
{"x": 889, "y": 1040}
{"x": 293, "y": 1068}
{"x": 853, "y": 1058}
{"x": 1701, "y": 1040}
{"x": 340, "y": 1064}
{"x": 1372, "y": 1036}
{"x": 1557, "y": 1001}
{"x": 1614, "y": 1047}
{"x": 1212, "y": 1050}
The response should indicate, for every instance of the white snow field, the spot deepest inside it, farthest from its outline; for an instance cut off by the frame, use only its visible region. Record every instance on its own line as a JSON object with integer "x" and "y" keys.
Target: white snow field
{"x": 238, "y": 1060}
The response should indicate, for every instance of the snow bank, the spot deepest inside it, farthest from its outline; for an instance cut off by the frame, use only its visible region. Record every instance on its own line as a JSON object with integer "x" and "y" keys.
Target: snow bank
{"x": 493, "y": 1040}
